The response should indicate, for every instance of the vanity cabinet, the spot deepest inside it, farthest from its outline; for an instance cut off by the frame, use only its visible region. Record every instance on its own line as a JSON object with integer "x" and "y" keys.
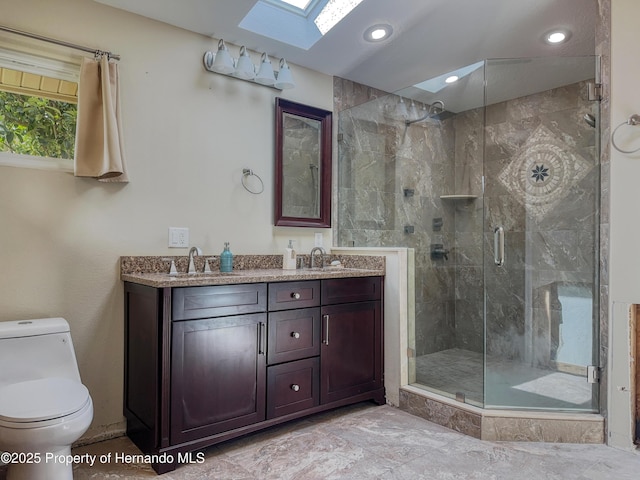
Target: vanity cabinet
{"x": 210, "y": 363}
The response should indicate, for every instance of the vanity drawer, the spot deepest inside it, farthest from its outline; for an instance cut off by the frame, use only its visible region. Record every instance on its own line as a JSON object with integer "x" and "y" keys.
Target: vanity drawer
{"x": 348, "y": 290}
{"x": 292, "y": 387}
{"x": 220, "y": 300}
{"x": 293, "y": 334}
{"x": 288, "y": 295}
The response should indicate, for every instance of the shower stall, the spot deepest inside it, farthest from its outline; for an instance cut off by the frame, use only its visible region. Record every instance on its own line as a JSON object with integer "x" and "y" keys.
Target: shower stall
{"x": 498, "y": 195}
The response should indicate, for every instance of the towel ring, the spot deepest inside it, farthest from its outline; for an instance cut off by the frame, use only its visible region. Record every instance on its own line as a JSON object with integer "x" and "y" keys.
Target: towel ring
{"x": 633, "y": 120}
{"x": 247, "y": 172}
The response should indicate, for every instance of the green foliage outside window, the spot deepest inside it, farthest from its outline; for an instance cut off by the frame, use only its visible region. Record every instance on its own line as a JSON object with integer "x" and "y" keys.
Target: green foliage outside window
{"x": 37, "y": 126}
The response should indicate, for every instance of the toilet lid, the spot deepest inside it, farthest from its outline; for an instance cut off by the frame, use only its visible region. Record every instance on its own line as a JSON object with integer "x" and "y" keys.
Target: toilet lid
{"x": 42, "y": 399}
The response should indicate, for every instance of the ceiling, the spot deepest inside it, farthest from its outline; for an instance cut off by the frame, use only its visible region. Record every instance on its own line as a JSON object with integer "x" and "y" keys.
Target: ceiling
{"x": 430, "y": 37}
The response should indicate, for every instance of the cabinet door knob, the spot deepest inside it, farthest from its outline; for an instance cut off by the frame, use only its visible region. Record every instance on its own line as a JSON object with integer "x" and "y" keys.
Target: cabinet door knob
{"x": 295, "y": 387}
{"x": 295, "y": 334}
{"x": 295, "y": 295}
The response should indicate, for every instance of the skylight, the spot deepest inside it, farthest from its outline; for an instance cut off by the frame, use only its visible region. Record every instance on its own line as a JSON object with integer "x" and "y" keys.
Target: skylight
{"x": 300, "y": 23}
{"x": 333, "y": 12}
{"x": 301, "y": 4}
{"x": 436, "y": 84}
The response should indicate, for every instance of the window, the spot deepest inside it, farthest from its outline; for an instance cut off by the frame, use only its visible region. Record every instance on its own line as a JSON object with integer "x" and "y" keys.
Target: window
{"x": 299, "y": 4}
{"x": 299, "y": 23}
{"x": 38, "y": 110}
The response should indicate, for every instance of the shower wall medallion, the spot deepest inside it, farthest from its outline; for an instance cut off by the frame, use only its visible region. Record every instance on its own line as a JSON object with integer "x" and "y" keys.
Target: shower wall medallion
{"x": 543, "y": 171}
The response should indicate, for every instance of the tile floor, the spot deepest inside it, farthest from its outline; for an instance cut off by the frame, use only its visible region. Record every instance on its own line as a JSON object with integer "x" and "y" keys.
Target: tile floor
{"x": 364, "y": 442}
{"x": 512, "y": 384}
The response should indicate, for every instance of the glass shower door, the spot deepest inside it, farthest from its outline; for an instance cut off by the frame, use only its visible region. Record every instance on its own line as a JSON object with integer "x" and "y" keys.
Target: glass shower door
{"x": 541, "y": 224}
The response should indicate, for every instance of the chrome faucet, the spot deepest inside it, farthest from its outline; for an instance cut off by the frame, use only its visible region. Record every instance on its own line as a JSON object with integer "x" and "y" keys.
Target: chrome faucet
{"x": 192, "y": 266}
{"x": 312, "y": 255}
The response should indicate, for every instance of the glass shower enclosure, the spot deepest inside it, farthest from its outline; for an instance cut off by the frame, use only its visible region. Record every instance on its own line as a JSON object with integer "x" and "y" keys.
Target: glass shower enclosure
{"x": 498, "y": 195}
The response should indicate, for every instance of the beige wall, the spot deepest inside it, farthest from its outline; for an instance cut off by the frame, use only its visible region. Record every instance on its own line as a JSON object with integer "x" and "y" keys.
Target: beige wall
{"x": 625, "y": 169}
{"x": 624, "y": 261}
{"x": 188, "y": 135}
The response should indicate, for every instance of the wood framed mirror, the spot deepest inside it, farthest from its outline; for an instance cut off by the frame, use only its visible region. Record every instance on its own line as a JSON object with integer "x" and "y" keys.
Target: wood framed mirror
{"x": 303, "y": 165}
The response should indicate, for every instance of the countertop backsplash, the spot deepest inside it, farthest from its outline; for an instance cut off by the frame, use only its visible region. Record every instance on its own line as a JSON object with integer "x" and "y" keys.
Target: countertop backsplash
{"x": 131, "y": 265}
{"x": 154, "y": 271}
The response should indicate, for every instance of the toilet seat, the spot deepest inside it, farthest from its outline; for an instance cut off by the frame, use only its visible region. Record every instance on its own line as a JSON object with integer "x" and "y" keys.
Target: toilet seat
{"x": 41, "y": 400}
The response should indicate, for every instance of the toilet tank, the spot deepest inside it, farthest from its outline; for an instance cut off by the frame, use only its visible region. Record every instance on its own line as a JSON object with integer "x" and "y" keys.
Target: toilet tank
{"x": 33, "y": 349}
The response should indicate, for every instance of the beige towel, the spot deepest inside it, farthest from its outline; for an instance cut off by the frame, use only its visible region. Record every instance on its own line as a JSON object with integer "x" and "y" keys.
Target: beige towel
{"x": 99, "y": 149}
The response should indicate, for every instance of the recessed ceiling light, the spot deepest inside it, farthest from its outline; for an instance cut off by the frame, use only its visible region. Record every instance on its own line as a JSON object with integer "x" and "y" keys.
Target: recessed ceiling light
{"x": 451, "y": 79}
{"x": 377, "y": 33}
{"x": 556, "y": 37}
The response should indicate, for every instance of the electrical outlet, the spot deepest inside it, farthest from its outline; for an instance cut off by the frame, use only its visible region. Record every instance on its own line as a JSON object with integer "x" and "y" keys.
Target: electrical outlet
{"x": 318, "y": 239}
{"x": 178, "y": 237}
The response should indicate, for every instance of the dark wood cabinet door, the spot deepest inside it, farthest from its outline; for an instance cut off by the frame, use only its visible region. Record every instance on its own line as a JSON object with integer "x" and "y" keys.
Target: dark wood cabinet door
{"x": 218, "y": 372}
{"x": 351, "y": 350}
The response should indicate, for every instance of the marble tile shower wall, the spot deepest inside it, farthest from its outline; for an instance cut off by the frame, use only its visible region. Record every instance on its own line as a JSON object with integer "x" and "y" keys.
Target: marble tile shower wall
{"x": 468, "y": 227}
{"x": 541, "y": 185}
{"x": 390, "y": 178}
{"x": 550, "y": 241}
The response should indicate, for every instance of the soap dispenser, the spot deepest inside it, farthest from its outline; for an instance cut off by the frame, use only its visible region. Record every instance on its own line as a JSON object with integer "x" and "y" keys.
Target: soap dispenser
{"x": 226, "y": 259}
{"x": 289, "y": 257}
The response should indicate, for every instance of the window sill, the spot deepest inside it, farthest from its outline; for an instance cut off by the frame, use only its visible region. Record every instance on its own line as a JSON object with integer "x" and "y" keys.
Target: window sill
{"x": 39, "y": 163}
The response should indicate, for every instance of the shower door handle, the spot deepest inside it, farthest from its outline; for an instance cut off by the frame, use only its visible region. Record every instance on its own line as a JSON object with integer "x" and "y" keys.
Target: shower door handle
{"x": 498, "y": 246}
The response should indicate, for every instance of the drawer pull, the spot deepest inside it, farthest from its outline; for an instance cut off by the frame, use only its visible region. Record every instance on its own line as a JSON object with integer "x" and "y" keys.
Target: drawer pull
{"x": 295, "y": 334}
{"x": 295, "y": 295}
{"x": 295, "y": 387}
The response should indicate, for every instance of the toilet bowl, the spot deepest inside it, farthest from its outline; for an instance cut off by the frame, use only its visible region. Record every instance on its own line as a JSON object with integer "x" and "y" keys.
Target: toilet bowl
{"x": 44, "y": 407}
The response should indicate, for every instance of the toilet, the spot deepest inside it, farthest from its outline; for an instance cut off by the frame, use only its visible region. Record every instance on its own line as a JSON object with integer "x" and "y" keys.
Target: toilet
{"x": 44, "y": 407}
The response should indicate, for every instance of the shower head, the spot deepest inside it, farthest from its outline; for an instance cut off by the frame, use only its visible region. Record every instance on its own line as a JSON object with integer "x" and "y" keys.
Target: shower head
{"x": 433, "y": 114}
{"x": 590, "y": 119}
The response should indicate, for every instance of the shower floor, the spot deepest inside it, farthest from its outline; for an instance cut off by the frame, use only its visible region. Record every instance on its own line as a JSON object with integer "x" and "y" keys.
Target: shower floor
{"x": 508, "y": 384}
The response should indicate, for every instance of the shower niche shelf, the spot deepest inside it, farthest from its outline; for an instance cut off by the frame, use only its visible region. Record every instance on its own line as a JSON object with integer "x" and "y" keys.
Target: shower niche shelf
{"x": 457, "y": 198}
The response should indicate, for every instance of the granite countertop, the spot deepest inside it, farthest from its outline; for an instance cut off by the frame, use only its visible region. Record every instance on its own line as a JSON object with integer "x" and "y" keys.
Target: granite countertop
{"x": 153, "y": 271}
